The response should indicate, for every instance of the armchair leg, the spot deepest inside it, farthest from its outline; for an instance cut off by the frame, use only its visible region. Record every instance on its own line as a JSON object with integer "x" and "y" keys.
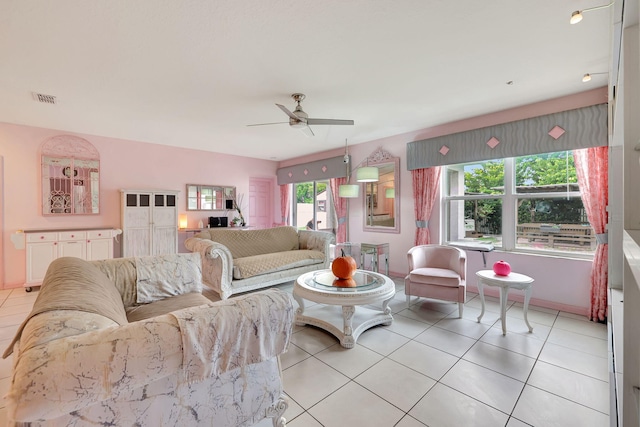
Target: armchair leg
{"x": 408, "y": 301}
{"x": 460, "y": 309}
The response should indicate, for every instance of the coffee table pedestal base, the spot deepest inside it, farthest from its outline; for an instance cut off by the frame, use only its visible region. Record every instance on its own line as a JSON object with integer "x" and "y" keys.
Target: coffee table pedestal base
{"x": 345, "y": 323}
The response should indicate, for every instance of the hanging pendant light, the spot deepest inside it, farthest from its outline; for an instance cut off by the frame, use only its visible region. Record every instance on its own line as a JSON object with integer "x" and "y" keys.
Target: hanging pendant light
{"x": 367, "y": 174}
{"x": 348, "y": 190}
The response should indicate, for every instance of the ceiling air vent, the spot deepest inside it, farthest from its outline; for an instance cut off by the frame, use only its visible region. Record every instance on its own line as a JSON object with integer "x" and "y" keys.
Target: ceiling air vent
{"x": 47, "y": 99}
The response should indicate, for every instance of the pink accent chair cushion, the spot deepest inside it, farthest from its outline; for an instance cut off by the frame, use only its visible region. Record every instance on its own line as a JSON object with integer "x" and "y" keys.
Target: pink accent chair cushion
{"x": 435, "y": 276}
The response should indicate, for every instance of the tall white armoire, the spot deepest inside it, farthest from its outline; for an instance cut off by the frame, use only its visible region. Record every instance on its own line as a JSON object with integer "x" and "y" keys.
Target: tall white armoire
{"x": 149, "y": 222}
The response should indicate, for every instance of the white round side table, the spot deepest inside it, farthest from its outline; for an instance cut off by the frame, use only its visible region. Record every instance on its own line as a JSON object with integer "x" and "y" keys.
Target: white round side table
{"x": 513, "y": 280}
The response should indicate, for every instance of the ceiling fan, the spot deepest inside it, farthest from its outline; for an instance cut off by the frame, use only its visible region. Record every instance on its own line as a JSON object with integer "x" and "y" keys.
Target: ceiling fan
{"x": 300, "y": 120}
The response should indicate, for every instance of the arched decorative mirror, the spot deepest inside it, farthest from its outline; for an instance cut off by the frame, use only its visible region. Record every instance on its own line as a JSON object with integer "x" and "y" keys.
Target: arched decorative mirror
{"x": 70, "y": 176}
{"x": 382, "y": 198}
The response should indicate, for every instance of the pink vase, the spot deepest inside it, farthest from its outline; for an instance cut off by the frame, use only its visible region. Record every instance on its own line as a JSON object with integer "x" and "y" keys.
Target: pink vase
{"x": 501, "y": 268}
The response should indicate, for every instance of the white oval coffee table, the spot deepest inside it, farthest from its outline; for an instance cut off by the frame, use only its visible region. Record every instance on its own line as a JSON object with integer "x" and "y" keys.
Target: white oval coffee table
{"x": 336, "y": 310}
{"x": 514, "y": 281}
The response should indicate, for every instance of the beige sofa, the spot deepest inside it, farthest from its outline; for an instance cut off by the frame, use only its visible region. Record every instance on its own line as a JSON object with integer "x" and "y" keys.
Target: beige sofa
{"x": 132, "y": 341}
{"x": 240, "y": 260}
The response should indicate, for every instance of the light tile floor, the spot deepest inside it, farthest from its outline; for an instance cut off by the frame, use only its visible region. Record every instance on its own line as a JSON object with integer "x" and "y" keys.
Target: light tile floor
{"x": 429, "y": 368}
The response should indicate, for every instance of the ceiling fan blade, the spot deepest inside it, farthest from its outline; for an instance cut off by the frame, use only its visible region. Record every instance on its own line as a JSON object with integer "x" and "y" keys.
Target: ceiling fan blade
{"x": 307, "y": 131}
{"x": 264, "y": 124}
{"x": 288, "y": 113}
{"x": 329, "y": 122}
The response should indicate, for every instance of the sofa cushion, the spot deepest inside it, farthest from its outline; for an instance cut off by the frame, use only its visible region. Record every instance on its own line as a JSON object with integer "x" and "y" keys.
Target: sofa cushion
{"x": 167, "y": 305}
{"x": 245, "y": 243}
{"x": 164, "y": 276}
{"x": 246, "y": 267}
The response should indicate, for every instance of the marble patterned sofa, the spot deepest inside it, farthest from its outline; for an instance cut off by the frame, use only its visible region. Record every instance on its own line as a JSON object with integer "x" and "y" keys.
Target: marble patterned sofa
{"x": 132, "y": 341}
{"x": 235, "y": 261}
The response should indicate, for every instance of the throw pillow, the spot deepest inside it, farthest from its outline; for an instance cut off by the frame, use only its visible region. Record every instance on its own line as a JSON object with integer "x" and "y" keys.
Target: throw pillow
{"x": 164, "y": 276}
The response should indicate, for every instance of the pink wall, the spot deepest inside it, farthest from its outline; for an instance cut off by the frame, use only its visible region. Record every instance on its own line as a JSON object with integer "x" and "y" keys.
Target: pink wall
{"x": 124, "y": 164}
{"x": 130, "y": 164}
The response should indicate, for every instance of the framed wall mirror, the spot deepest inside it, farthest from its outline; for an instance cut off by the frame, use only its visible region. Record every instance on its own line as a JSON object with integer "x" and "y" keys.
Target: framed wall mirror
{"x": 382, "y": 198}
{"x": 210, "y": 197}
{"x": 70, "y": 171}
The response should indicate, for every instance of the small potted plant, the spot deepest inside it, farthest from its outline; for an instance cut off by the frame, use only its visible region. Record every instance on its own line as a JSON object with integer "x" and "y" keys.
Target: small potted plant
{"x": 236, "y": 222}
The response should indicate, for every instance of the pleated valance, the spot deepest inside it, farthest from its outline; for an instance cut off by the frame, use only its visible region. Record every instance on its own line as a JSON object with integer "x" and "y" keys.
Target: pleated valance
{"x": 567, "y": 130}
{"x": 333, "y": 167}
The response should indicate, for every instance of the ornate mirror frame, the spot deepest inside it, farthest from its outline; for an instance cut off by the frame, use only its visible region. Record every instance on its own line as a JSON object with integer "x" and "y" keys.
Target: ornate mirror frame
{"x": 70, "y": 176}
{"x": 381, "y": 200}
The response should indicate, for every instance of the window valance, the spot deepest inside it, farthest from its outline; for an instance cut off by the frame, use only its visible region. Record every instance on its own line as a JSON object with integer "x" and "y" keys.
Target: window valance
{"x": 567, "y": 130}
{"x": 333, "y": 167}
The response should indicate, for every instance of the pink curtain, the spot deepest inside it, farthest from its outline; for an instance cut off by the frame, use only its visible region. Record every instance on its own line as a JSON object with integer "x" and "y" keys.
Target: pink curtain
{"x": 592, "y": 168}
{"x": 340, "y": 205}
{"x": 285, "y": 205}
{"x": 425, "y": 188}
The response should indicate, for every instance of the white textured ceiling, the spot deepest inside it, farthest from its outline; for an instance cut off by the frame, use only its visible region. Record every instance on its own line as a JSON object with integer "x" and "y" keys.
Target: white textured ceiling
{"x": 194, "y": 73}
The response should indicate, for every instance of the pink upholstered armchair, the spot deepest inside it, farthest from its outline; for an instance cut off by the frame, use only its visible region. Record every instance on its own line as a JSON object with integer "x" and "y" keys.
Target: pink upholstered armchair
{"x": 437, "y": 272}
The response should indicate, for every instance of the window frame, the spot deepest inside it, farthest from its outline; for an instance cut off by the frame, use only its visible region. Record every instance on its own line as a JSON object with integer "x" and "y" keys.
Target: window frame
{"x": 329, "y": 210}
{"x": 509, "y": 200}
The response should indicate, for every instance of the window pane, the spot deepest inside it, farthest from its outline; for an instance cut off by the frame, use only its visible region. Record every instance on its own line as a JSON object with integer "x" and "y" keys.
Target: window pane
{"x": 550, "y": 173}
{"x": 303, "y": 205}
{"x": 305, "y": 202}
{"x": 324, "y": 207}
{"x": 554, "y": 224}
{"x": 479, "y": 220}
{"x": 485, "y": 177}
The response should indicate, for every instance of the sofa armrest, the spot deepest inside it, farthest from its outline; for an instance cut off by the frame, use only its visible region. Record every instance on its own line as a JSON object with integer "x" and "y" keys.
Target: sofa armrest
{"x": 68, "y": 374}
{"x": 217, "y": 264}
{"x": 319, "y": 241}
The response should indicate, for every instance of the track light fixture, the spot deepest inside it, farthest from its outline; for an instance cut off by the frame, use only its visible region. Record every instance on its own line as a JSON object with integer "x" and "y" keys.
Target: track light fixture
{"x": 576, "y": 16}
{"x": 587, "y": 77}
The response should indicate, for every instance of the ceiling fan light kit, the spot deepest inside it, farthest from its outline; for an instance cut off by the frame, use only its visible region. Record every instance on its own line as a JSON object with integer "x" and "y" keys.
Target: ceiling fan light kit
{"x": 298, "y": 119}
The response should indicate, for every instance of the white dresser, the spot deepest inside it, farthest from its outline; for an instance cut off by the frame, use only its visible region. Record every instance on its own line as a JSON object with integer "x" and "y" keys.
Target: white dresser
{"x": 43, "y": 246}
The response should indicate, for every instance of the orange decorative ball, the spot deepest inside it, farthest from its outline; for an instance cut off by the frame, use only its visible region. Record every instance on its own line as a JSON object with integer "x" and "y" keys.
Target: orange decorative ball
{"x": 345, "y": 283}
{"x": 344, "y": 266}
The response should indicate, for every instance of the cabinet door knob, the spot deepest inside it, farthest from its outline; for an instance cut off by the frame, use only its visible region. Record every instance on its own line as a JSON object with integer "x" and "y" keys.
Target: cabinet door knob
{"x": 99, "y": 234}
{"x": 41, "y": 237}
{"x": 73, "y": 235}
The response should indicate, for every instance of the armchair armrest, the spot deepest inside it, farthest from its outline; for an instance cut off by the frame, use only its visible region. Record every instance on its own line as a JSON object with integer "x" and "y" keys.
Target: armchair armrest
{"x": 217, "y": 264}
{"x": 319, "y": 241}
{"x": 68, "y": 374}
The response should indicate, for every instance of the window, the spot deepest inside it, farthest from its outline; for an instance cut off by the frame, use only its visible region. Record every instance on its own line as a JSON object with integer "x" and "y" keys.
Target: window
{"x": 313, "y": 206}
{"x": 528, "y": 203}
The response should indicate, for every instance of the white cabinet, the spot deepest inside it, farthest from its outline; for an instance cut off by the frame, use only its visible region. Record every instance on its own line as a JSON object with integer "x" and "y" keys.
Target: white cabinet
{"x": 99, "y": 245}
{"x": 149, "y": 222}
{"x": 43, "y": 246}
